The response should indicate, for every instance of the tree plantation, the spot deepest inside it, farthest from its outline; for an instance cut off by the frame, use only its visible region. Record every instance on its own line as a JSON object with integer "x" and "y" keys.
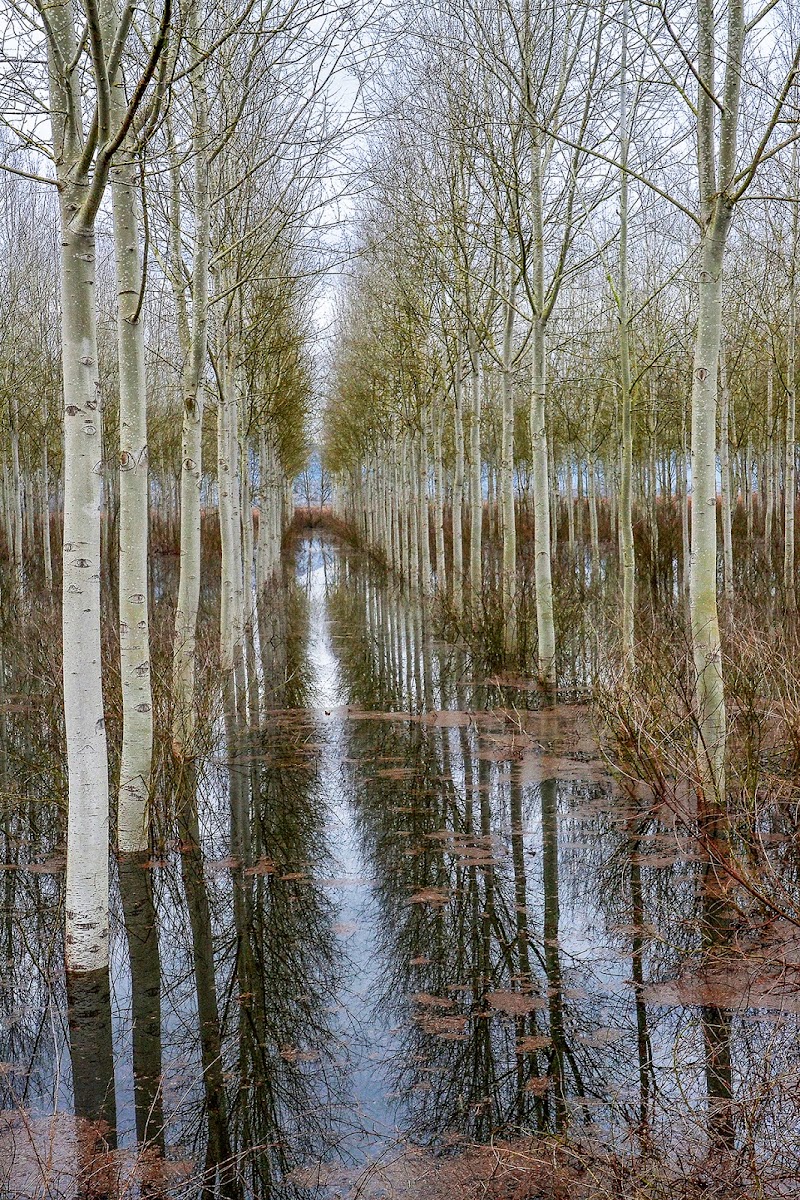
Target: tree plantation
{"x": 399, "y": 700}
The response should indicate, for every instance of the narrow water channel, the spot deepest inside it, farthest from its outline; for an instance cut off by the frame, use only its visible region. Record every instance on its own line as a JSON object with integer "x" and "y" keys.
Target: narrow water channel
{"x": 408, "y": 910}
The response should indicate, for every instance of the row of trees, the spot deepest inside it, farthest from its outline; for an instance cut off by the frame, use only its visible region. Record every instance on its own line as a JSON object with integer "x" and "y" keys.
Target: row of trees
{"x": 171, "y": 165}
{"x": 538, "y": 303}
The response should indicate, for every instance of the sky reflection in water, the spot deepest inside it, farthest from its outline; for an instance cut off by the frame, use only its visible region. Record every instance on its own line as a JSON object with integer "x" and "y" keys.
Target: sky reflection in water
{"x": 404, "y": 906}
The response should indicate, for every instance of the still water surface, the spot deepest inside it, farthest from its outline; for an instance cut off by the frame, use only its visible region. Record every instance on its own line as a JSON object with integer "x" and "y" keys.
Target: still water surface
{"x": 406, "y": 908}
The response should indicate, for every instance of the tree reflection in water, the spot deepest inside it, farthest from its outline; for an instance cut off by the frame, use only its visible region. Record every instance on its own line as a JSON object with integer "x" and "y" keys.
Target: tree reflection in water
{"x": 529, "y": 950}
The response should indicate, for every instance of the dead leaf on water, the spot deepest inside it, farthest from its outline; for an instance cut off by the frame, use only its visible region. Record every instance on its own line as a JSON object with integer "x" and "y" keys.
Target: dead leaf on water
{"x": 264, "y": 866}
{"x": 514, "y": 1004}
{"x": 436, "y": 897}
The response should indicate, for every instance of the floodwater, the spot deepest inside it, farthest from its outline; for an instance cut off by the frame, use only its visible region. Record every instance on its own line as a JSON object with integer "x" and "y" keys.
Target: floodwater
{"x": 405, "y": 909}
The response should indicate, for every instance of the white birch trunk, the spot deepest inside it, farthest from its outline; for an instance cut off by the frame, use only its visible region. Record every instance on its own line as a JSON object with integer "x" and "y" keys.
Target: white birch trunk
{"x": 424, "y": 509}
{"x": 685, "y": 542}
{"x": 134, "y": 629}
{"x": 593, "y": 530}
{"x": 545, "y": 624}
{"x": 769, "y": 469}
{"x": 508, "y": 517}
{"x": 86, "y": 893}
{"x": 627, "y": 548}
{"x": 457, "y": 502}
{"x": 541, "y": 513}
{"x": 475, "y": 486}
{"x": 86, "y": 900}
{"x": 194, "y": 348}
{"x": 247, "y": 534}
{"x": 554, "y": 497}
{"x": 225, "y": 484}
{"x": 47, "y": 556}
{"x": 438, "y": 469}
{"x": 707, "y": 649}
{"x": 570, "y": 507}
{"x": 791, "y": 409}
{"x": 7, "y": 513}
{"x": 725, "y": 482}
{"x": 16, "y": 483}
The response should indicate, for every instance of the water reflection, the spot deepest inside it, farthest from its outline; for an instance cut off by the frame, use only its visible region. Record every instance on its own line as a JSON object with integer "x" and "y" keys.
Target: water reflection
{"x": 139, "y": 915}
{"x": 91, "y": 1051}
{"x": 397, "y": 903}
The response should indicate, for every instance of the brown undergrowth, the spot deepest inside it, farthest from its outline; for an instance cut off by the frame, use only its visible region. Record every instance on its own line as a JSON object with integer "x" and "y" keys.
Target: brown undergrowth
{"x": 549, "y": 1169}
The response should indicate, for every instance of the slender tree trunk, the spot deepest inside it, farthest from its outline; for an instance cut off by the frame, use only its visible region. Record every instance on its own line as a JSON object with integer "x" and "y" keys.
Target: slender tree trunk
{"x": 627, "y": 549}
{"x": 46, "y": 551}
{"x": 769, "y": 468}
{"x": 725, "y": 482}
{"x": 7, "y": 514}
{"x": 716, "y": 163}
{"x": 593, "y": 530}
{"x": 545, "y": 624}
{"x": 652, "y": 490}
{"x": 226, "y": 483}
{"x": 16, "y": 480}
{"x": 194, "y": 347}
{"x": 707, "y": 649}
{"x": 570, "y": 507}
{"x": 554, "y": 504}
{"x": 261, "y": 543}
{"x": 247, "y": 533}
{"x": 791, "y": 409}
{"x": 424, "y": 507}
{"x": 509, "y": 570}
{"x": 441, "y": 566}
{"x": 541, "y": 513}
{"x": 475, "y": 486}
{"x": 457, "y": 504}
{"x": 134, "y": 627}
{"x": 235, "y": 458}
{"x": 748, "y": 496}
{"x": 86, "y": 900}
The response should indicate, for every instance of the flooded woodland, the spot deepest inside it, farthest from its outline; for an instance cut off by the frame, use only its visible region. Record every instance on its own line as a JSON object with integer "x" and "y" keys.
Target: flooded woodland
{"x": 399, "y": 634}
{"x": 400, "y": 909}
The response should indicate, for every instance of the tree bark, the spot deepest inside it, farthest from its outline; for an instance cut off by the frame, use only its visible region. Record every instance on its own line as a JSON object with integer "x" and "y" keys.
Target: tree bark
{"x": 627, "y": 548}
{"x": 509, "y": 527}
{"x": 541, "y": 513}
{"x": 134, "y": 627}
{"x": 706, "y": 645}
{"x": 457, "y": 503}
{"x": 194, "y": 349}
{"x": 725, "y": 482}
{"x": 475, "y": 486}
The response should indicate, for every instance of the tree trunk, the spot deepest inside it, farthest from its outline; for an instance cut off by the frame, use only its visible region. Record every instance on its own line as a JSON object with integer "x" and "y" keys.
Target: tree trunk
{"x": 541, "y": 513}
{"x": 570, "y": 507}
{"x": 769, "y": 469}
{"x": 134, "y": 628}
{"x": 46, "y": 550}
{"x": 194, "y": 349}
{"x": 441, "y": 566}
{"x": 706, "y": 646}
{"x": 509, "y": 528}
{"x": 626, "y": 543}
{"x": 791, "y": 409}
{"x": 16, "y": 481}
{"x": 685, "y": 542}
{"x": 86, "y": 900}
{"x": 457, "y": 503}
{"x": 424, "y": 507}
{"x": 725, "y": 482}
{"x": 475, "y": 486}
{"x": 226, "y": 415}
